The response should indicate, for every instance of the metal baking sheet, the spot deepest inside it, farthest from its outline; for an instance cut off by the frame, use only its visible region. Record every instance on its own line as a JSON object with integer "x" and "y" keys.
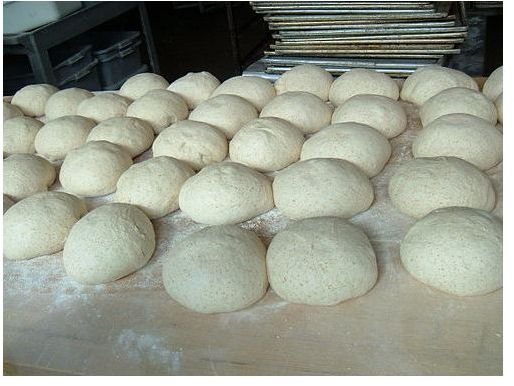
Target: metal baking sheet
{"x": 398, "y": 73}
{"x": 371, "y": 31}
{"x": 361, "y": 24}
{"x": 365, "y": 63}
{"x": 447, "y": 35}
{"x": 354, "y": 54}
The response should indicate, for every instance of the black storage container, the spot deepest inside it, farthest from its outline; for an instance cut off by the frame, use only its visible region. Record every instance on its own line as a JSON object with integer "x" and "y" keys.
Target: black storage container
{"x": 86, "y": 78}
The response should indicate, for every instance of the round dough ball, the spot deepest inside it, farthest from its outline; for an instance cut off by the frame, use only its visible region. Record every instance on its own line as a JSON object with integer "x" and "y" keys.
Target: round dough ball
{"x": 308, "y": 78}
{"x": 7, "y": 203}
{"x": 58, "y": 136}
{"x": 321, "y": 261}
{"x": 196, "y": 143}
{"x": 430, "y": 80}
{"x": 32, "y": 99}
{"x": 499, "y": 107}
{"x": 160, "y": 108}
{"x": 110, "y": 242}
{"x": 304, "y": 110}
{"x": 266, "y": 144}
{"x": 423, "y": 184}
{"x": 103, "y": 106}
{"x": 132, "y": 134}
{"x": 195, "y": 87}
{"x": 257, "y": 91}
{"x": 66, "y": 102}
{"x": 153, "y": 185}
{"x": 322, "y": 187}
{"x": 359, "y": 144}
{"x": 493, "y": 86}
{"x": 39, "y": 224}
{"x": 94, "y": 168}
{"x": 226, "y": 193}
{"x": 456, "y": 250}
{"x": 218, "y": 269}
{"x": 227, "y": 113}
{"x": 11, "y": 111}
{"x": 463, "y": 136}
{"x": 19, "y": 135}
{"x": 362, "y": 81}
{"x": 138, "y": 85}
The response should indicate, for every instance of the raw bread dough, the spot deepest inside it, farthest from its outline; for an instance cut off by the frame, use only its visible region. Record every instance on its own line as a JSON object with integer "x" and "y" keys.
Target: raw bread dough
{"x": 306, "y": 77}
{"x": 226, "y": 193}
{"x": 304, "y": 110}
{"x": 32, "y": 99}
{"x": 257, "y": 91}
{"x": 19, "y": 135}
{"x": 423, "y": 184}
{"x": 322, "y": 187}
{"x": 138, "y": 85}
{"x": 456, "y": 250}
{"x": 132, "y": 134}
{"x": 463, "y": 136}
{"x": 493, "y": 86}
{"x": 195, "y": 87}
{"x": 218, "y": 269}
{"x": 359, "y": 144}
{"x": 321, "y": 261}
{"x": 11, "y": 111}
{"x": 499, "y": 107}
{"x": 94, "y": 168}
{"x": 7, "y": 203}
{"x": 110, "y": 242}
{"x": 153, "y": 185}
{"x": 39, "y": 224}
{"x": 266, "y": 144}
{"x": 103, "y": 106}
{"x": 66, "y": 102}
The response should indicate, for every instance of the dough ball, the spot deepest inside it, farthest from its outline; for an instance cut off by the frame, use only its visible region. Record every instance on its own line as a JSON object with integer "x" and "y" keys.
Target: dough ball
{"x": 160, "y": 108}
{"x": 94, "y": 168}
{"x": 19, "y": 135}
{"x": 304, "y": 110}
{"x": 195, "y": 87}
{"x": 307, "y": 78}
{"x": 456, "y": 250}
{"x": 108, "y": 243}
{"x": 66, "y": 102}
{"x": 132, "y": 134}
{"x": 322, "y": 187}
{"x": 227, "y": 113}
{"x": 153, "y": 185}
{"x": 266, "y": 144}
{"x": 423, "y": 184}
{"x": 226, "y": 193}
{"x": 257, "y": 91}
{"x": 463, "y": 136}
{"x": 499, "y": 107}
{"x": 7, "y": 203}
{"x": 58, "y": 136}
{"x": 39, "y": 224}
{"x": 321, "y": 261}
{"x": 31, "y": 100}
{"x": 103, "y": 106}
{"x": 218, "y": 269}
{"x": 138, "y": 85}
{"x": 430, "y": 80}
{"x": 196, "y": 143}
{"x": 362, "y": 81}
{"x": 359, "y": 144}
{"x": 11, "y": 111}
{"x": 493, "y": 86}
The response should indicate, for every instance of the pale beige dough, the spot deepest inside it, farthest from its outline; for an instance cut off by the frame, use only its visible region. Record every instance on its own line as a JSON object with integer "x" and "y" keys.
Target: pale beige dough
{"x": 7, "y": 203}
{"x": 306, "y": 77}
{"x": 11, "y": 111}
{"x": 493, "y": 86}
{"x": 257, "y": 91}
{"x": 138, "y": 85}
{"x": 31, "y": 99}
{"x": 498, "y": 103}
{"x": 65, "y": 102}
{"x": 195, "y": 87}
{"x": 103, "y": 106}
{"x": 19, "y": 135}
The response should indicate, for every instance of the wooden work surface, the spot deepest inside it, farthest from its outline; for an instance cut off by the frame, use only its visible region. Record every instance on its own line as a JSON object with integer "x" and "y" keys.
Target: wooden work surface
{"x": 53, "y": 325}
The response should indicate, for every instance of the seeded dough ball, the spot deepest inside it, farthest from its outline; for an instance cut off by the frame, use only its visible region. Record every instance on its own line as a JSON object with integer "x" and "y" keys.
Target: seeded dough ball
{"x": 359, "y": 144}
{"x": 226, "y": 193}
{"x": 227, "y": 113}
{"x": 456, "y": 250}
{"x": 196, "y": 143}
{"x": 266, "y": 144}
{"x": 322, "y": 187}
{"x": 66, "y": 102}
{"x": 110, "y": 242}
{"x": 153, "y": 185}
{"x": 31, "y": 100}
{"x": 307, "y": 78}
{"x": 499, "y": 107}
{"x": 195, "y": 87}
{"x": 302, "y": 109}
{"x": 39, "y": 224}
{"x": 463, "y": 136}
{"x": 423, "y": 184}
{"x": 138, "y": 85}
{"x": 257, "y": 91}
{"x": 321, "y": 261}
{"x": 7, "y": 203}
{"x": 26, "y": 174}
{"x": 19, "y": 135}
{"x": 382, "y": 113}
{"x": 94, "y": 168}
{"x": 103, "y": 106}
{"x": 493, "y": 86}
{"x": 132, "y": 134}
{"x": 428, "y": 81}
{"x": 160, "y": 108}
{"x": 11, "y": 111}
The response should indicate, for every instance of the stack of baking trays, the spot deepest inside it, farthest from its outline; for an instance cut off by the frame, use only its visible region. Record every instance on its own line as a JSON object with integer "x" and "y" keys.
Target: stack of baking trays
{"x": 391, "y": 37}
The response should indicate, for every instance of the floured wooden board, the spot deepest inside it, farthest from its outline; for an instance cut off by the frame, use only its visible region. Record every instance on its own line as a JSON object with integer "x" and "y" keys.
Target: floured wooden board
{"x": 54, "y": 325}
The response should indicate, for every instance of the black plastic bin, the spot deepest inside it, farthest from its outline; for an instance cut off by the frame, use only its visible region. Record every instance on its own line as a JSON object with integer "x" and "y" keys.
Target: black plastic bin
{"x": 86, "y": 78}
